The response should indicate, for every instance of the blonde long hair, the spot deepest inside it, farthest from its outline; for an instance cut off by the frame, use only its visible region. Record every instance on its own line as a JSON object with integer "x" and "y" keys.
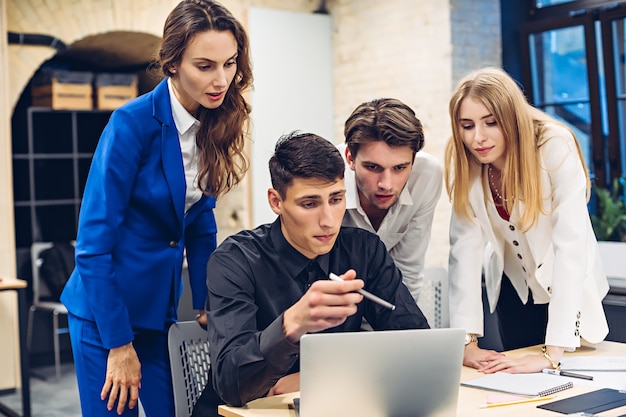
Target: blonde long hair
{"x": 522, "y": 126}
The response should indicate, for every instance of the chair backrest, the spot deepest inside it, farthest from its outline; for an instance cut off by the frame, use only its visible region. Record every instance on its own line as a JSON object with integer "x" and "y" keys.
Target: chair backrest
{"x": 433, "y": 298}
{"x": 35, "y": 250}
{"x": 51, "y": 266}
{"x": 189, "y": 361}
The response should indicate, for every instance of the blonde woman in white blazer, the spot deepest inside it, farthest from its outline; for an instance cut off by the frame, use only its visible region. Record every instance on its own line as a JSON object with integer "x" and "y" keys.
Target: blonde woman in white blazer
{"x": 519, "y": 188}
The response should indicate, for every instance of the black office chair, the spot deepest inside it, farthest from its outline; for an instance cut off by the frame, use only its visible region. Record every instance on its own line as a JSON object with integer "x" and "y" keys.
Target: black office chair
{"x": 40, "y": 303}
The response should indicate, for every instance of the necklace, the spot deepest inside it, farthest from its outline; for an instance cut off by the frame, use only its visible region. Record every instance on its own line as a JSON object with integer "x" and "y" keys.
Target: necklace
{"x": 493, "y": 185}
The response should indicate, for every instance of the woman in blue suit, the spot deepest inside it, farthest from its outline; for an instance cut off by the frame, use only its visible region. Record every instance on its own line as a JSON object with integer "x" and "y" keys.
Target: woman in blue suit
{"x": 161, "y": 161}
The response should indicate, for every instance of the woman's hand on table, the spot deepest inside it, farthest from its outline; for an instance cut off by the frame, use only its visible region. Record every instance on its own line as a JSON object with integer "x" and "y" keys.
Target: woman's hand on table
{"x": 476, "y": 357}
{"x": 526, "y": 364}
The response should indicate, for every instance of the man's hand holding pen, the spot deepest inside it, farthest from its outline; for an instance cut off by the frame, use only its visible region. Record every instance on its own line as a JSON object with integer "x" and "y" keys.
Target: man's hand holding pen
{"x": 326, "y": 304}
{"x": 366, "y": 294}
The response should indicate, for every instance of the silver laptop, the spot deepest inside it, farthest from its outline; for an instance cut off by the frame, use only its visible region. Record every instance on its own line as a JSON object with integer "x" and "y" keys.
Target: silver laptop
{"x": 396, "y": 373}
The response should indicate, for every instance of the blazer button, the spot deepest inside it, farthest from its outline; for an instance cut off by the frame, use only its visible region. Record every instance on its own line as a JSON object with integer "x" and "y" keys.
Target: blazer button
{"x": 519, "y": 256}
{"x": 515, "y": 243}
{"x": 578, "y": 315}
{"x": 173, "y": 244}
{"x": 511, "y": 227}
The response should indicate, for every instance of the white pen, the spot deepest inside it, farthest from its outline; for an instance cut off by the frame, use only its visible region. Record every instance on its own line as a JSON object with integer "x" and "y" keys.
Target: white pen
{"x": 366, "y": 294}
{"x": 567, "y": 373}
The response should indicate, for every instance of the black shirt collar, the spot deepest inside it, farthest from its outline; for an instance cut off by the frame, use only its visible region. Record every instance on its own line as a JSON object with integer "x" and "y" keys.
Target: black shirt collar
{"x": 294, "y": 261}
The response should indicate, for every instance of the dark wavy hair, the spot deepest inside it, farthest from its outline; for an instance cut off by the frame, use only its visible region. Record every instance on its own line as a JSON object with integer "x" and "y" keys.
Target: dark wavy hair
{"x": 222, "y": 133}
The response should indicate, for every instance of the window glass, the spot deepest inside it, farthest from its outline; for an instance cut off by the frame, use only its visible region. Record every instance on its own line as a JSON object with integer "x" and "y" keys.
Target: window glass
{"x": 619, "y": 41}
{"x": 559, "y": 80}
{"x": 545, "y": 3}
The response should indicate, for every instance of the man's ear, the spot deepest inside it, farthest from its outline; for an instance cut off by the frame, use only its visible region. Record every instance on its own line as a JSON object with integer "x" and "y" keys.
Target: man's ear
{"x": 273, "y": 197}
{"x": 349, "y": 159}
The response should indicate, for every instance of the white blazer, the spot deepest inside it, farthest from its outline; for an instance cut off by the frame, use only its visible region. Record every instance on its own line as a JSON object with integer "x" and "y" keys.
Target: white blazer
{"x": 562, "y": 243}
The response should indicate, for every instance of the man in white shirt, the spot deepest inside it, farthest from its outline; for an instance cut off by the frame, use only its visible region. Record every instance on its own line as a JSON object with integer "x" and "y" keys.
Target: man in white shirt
{"x": 392, "y": 189}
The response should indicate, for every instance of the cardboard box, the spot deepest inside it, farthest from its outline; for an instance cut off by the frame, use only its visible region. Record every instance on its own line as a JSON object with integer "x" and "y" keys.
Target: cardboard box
{"x": 113, "y": 90}
{"x": 111, "y": 97}
{"x": 63, "y": 90}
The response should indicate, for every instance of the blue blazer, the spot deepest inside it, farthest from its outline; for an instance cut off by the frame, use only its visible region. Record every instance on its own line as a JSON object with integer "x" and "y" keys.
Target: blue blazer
{"x": 133, "y": 229}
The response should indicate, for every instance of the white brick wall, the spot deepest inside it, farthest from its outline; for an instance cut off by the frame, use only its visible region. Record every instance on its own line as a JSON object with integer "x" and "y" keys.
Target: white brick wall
{"x": 413, "y": 50}
{"x": 476, "y": 35}
{"x": 400, "y": 49}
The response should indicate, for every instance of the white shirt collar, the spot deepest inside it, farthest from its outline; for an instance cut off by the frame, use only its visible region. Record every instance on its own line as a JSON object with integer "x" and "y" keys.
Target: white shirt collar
{"x": 182, "y": 118}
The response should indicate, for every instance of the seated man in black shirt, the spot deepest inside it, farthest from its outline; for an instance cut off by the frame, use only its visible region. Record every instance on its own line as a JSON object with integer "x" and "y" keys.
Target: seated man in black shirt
{"x": 269, "y": 286}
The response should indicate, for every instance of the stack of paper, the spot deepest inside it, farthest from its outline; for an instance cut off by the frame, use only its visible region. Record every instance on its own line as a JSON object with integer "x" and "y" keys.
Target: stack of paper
{"x": 593, "y": 363}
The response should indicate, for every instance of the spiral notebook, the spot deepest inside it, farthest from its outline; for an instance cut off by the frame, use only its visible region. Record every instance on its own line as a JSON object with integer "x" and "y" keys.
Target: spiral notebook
{"x": 532, "y": 385}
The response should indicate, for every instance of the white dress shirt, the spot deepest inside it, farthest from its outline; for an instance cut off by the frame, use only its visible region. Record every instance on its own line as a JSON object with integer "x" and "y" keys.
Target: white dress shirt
{"x": 405, "y": 229}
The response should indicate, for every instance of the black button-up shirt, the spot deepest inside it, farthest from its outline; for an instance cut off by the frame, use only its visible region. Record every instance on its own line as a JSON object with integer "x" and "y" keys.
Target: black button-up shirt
{"x": 255, "y": 275}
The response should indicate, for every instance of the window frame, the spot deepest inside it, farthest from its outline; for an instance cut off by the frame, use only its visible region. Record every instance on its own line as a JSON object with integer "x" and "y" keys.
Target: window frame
{"x": 571, "y": 9}
{"x": 587, "y": 22}
{"x": 613, "y": 147}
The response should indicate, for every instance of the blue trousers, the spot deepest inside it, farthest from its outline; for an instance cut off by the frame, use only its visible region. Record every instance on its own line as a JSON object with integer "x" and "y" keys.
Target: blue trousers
{"x": 90, "y": 359}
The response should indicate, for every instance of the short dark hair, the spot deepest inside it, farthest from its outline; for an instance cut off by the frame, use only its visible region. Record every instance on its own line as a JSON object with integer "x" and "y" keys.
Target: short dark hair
{"x": 384, "y": 120}
{"x": 304, "y": 155}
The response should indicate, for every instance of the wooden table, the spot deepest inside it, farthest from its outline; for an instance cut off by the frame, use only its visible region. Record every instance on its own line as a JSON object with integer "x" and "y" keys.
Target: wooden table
{"x": 470, "y": 399}
{"x": 12, "y": 284}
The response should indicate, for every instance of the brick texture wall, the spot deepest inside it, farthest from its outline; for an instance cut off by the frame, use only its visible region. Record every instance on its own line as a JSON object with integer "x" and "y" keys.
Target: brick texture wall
{"x": 400, "y": 49}
{"x": 476, "y": 35}
{"x": 413, "y": 50}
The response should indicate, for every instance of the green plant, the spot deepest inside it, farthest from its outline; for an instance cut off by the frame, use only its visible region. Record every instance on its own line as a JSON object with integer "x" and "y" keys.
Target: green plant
{"x": 610, "y": 221}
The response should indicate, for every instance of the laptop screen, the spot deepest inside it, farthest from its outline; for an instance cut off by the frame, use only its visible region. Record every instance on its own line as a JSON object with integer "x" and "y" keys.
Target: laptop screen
{"x": 396, "y": 373}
